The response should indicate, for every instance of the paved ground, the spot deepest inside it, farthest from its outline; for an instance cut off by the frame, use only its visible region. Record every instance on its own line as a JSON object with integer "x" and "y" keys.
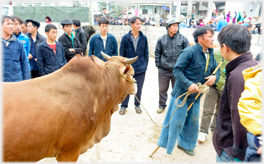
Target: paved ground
{"x": 133, "y": 137}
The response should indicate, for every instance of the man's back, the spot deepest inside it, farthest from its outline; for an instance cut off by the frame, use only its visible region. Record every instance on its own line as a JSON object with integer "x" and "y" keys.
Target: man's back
{"x": 81, "y": 36}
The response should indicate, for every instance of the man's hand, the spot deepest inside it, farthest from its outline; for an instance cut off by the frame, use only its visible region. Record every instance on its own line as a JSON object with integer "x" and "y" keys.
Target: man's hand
{"x": 193, "y": 88}
{"x": 71, "y": 49}
{"x": 211, "y": 80}
{"x": 30, "y": 56}
{"x": 35, "y": 59}
{"x": 259, "y": 150}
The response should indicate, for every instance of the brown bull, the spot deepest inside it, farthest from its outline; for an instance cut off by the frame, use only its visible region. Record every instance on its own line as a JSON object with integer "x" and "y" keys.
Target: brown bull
{"x": 64, "y": 113}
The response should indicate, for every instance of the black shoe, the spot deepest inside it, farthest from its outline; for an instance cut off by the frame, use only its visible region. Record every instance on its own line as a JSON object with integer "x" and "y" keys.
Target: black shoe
{"x": 138, "y": 110}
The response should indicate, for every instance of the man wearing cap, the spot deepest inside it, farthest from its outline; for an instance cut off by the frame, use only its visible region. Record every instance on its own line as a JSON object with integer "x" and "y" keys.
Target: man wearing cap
{"x": 167, "y": 51}
{"x": 35, "y": 39}
{"x": 71, "y": 44}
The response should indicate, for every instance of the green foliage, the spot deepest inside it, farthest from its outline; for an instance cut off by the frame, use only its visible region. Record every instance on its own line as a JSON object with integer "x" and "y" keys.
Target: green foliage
{"x": 102, "y": 5}
{"x": 117, "y": 10}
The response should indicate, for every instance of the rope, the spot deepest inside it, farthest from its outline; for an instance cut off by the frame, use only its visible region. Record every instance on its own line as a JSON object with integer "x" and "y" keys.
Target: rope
{"x": 203, "y": 88}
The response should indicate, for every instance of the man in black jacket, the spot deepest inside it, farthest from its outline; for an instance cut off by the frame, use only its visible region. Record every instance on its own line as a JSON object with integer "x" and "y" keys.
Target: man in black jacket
{"x": 70, "y": 43}
{"x": 80, "y": 34}
{"x": 167, "y": 52}
{"x": 35, "y": 39}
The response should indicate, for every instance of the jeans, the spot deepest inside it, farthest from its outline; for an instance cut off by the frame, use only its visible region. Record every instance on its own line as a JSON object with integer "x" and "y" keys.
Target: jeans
{"x": 209, "y": 109}
{"x": 182, "y": 128}
{"x": 165, "y": 76}
{"x": 224, "y": 157}
{"x": 140, "y": 81}
{"x": 251, "y": 153}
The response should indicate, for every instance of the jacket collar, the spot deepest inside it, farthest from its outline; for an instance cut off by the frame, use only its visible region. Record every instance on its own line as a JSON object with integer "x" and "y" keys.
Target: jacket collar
{"x": 46, "y": 44}
{"x": 235, "y": 62}
{"x": 173, "y": 36}
{"x": 200, "y": 48}
{"x": 78, "y": 30}
{"x": 99, "y": 36}
{"x": 129, "y": 34}
{"x": 11, "y": 39}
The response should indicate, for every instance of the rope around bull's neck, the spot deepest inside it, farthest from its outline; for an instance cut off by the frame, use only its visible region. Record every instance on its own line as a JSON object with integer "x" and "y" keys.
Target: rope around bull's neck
{"x": 203, "y": 88}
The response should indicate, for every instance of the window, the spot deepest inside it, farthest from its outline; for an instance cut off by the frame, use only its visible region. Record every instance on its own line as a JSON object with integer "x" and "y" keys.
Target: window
{"x": 145, "y": 10}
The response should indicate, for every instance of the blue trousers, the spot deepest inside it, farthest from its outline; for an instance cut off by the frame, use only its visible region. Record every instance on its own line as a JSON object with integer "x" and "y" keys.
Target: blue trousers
{"x": 224, "y": 157}
{"x": 140, "y": 81}
{"x": 182, "y": 128}
{"x": 251, "y": 153}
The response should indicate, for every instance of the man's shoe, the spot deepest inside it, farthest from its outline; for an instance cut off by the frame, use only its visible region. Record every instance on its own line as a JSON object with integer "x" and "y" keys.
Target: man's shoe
{"x": 189, "y": 152}
{"x": 160, "y": 110}
{"x": 122, "y": 111}
{"x": 202, "y": 137}
{"x": 138, "y": 109}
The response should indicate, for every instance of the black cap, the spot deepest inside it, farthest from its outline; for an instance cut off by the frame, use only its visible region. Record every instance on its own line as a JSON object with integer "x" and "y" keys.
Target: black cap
{"x": 66, "y": 21}
{"x": 36, "y": 23}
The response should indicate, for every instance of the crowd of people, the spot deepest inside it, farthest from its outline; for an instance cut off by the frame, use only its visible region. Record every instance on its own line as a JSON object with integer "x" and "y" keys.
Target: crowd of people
{"x": 234, "y": 88}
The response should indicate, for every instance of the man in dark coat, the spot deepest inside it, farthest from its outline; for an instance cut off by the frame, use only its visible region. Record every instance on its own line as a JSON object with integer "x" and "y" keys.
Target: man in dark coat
{"x": 80, "y": 34}
{"x": 50, "y": 53}
{"x": 35, "y": 39}
{"x": 230, "y": 136}
{"x": 167, "y": 51}
{"x": 70, "y": 43}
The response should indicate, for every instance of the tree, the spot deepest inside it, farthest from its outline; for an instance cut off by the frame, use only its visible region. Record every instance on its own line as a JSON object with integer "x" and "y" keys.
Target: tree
{"x": 102, "y": 5}
{"x": 117, "y": 9}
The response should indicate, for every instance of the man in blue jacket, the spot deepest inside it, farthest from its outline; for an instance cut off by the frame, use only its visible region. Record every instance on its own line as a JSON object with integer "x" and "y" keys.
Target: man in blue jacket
{"x": 195, "y": 64}
{"x": 15, "y": 66}
{"x": 103, "y": 41}
{"x": 133, "y": 44}
{"x": 20, "y": 36}
{"x": 50, "y": 53}
{"x": 221, "y": 23}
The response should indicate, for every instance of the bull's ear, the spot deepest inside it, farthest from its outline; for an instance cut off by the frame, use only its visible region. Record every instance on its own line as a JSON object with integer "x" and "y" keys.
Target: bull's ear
{"x": 126, "y": 69}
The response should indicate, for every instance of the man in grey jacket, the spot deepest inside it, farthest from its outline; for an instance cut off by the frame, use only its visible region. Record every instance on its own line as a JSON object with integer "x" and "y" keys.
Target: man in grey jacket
{"x": 167, "y": 52}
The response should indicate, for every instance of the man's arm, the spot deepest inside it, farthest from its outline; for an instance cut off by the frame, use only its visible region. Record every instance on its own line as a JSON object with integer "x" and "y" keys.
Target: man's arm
{"x": 40, "y": 62}
{"x": 91, "y": 47}
{"x": 78, "y": 49}
{"x": 146, "y": 51}
{"x": 235, "y": 88}
{"x": 122, "y": 49}
{"x": 158, "y": 52}
{"x": 115, "y": 46}
{"x": 179, "y": 67}
{"x": 185, "y": 43}
{"x": 68, "y": 53}
{"x": 24, "y": 63}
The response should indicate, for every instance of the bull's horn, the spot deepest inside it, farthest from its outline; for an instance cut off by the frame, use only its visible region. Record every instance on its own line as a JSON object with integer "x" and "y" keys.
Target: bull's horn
{"x": 131, "y": 61}
{"x": 107, "y": 57}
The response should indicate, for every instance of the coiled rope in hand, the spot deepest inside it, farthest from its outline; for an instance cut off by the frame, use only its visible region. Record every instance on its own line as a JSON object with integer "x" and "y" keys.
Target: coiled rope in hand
{"x": 202, "y": 87}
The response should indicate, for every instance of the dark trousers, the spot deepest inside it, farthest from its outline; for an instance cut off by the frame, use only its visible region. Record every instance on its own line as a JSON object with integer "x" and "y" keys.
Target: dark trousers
{"x": 165, "y": 76}
{"x": 34, "y": 74}
{"x": 140, "y": 81}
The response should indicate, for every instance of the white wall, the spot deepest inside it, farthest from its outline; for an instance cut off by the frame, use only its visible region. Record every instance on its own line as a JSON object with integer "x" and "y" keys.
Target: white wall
{"x": 240, "y": 6}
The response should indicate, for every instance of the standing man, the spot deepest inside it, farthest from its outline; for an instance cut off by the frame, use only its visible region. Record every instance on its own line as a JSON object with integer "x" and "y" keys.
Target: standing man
{"x": 80, "y": 34}
{"x": 221, "y": 23}
{"x": 195, "y": 64}
{"x": 188, "y": 21}
{"x": 71, "y": 44}
{"x": 133, "y": 44}
{"x": 35, "y": 39}
{"x": 15, "y": 66}
{"x": 24, "y": 29}
{"x": 212, "y": 101}
{"x": 230, "y": 136}
{"x": 50, "y": 53}
{"x": 103, "y": 41}
{"x": 167, "y": 51}
{"x": 20, "y": 36}
{"x": 103, "y": 14}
